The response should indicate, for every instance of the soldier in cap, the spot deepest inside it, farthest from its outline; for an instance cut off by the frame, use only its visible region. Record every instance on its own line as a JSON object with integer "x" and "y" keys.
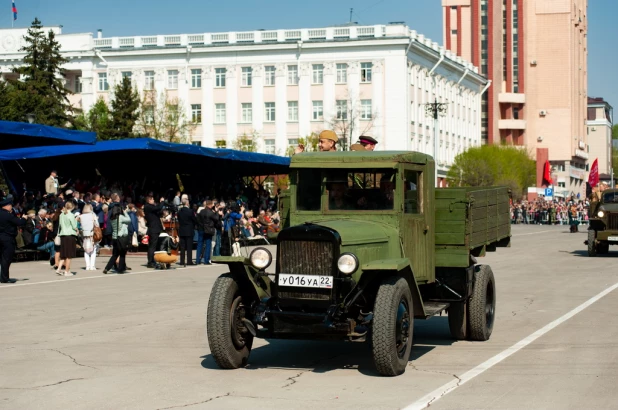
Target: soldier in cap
{"x": 327, "y": 142}
{"x": 368, "y": 142}
{"x": 8, "y": 231}
{"x": 357, "y": 147}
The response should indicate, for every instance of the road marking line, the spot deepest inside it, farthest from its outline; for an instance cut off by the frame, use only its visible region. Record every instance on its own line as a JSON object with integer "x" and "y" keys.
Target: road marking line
{"x": 442, "y": 391}
{"x": 532, "y": 233}
{"x": 14, "y": 285}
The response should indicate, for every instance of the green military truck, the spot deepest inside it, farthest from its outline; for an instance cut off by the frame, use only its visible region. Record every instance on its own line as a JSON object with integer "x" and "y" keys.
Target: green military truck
{"x": 371, "y": 245}
{"x": 603, "y": 219}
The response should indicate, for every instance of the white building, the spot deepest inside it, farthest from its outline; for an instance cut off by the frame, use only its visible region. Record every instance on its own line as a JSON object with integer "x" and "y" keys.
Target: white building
{"x": 286, "y": 84}
{"x": 599, "y": 128}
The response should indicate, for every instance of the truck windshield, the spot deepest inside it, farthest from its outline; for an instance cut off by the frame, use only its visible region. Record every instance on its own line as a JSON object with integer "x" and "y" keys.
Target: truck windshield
{"x": 362, "y": 189}
{"x": 610, "y": 197}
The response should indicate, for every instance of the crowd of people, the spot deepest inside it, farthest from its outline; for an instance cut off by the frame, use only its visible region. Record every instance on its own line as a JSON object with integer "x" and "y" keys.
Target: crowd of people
{"x": 83, "y": 217}
{"x": 559, "y": 211}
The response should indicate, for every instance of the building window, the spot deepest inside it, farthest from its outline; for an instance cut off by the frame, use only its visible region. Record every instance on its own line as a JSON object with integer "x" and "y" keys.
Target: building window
{"x": 149, "y": 115}
{"x": 196, "y": 113}
{"x": 342, "y": 109}
{"x": 366, "y": 72}
{"x": 220, "y": 114}
{"x": 103, "y": 84}
{"x": 221, "y": 144}
{"x": 454, "y": 32}
{"x": 126, "y": 74}
{"x": 269, "y": 147}
{"x": 220, "y": 77}
{"x": 246, "y": 77}
{"x": 366, "y": 110}
{"x": 269, "y": 111}
{"x": 292, "y": 75}
{"x": 246, "y": 114}
{"x": 196, "y": 78}
{"x": 317, "y": 72}
{"x": 172, "y": 79}
{"x": 269, "y": 75}
{"x": 293, "y": 111}
{"x": 292, "y": 144}
{"x": 561, "y": 184}
{"x": 78, "y": 84}
{"x": 318, "y": 111}
{"x": 149, "y": 80}
{"x": 196, "y": 143}
{"x": 342, "y": 73}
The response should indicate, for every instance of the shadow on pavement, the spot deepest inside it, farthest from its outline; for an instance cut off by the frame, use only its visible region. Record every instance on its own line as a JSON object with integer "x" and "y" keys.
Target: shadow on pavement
{"x": 584, "y": 253}
{"x": 325, "y": 356}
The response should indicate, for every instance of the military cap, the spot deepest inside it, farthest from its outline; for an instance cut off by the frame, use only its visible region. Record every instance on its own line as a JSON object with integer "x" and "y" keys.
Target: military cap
{"x": 328, "y": 135}
{"x": 365, "y": 139}
{"x": 357, "y": 147}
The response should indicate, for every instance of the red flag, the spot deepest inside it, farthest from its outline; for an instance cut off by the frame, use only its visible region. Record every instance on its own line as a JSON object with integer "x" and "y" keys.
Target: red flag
{"x": 593, "y": 178}
{"x": 547, "y": 173}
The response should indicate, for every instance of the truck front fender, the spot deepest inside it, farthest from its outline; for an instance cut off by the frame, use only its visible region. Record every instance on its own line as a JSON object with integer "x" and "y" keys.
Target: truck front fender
{"x": 374, "y": 272}
{"x": 253, "y": 284}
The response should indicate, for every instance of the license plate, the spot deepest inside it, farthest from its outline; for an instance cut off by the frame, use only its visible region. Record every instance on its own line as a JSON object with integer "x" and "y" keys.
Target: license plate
{"x": 612, "y": 238}
{"x": 306, "y": 281}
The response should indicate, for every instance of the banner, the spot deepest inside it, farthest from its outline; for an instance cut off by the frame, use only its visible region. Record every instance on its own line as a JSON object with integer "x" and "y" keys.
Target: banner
{"x": 547, "y": 173}
{"x": 593, "y": 178}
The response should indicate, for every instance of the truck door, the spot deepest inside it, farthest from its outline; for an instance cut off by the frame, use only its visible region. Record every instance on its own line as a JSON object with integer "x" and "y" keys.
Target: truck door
{"x": 417, "y": 224}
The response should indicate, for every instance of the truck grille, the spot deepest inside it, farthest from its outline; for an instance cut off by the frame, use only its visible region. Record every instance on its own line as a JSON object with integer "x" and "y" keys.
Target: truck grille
{"x": 305, "y": 258}
{"x": 613, "y": 221}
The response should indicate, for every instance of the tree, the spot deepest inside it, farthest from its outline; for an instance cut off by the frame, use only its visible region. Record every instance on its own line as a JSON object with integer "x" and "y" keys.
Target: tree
{"x": 40, "y": 89}
{"x": 615, "y": 132}
{"x": 310, "y": 142}
{"x": 125, "y": 106}
{"x": 491, "y": 165}
{"x": 347, "y": 120}
{"x": 98, "y": 119}
{"x": 247, "y": 143}
{"x": 163, "y": 119}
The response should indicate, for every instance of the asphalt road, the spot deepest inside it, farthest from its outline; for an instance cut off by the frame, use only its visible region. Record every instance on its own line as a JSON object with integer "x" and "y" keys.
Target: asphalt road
{"x": 139, "y": 341}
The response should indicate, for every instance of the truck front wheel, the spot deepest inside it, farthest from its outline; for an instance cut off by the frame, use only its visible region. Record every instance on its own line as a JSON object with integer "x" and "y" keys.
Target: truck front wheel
{"x": 482, "y": 304}
{"x": 393, "y": 325}
{"x": 592, "y": 245}
{"x": 228, "y": 338}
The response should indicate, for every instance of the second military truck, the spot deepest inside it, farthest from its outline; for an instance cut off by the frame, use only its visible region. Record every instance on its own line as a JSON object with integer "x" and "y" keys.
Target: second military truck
{"x": 370, "y": 247}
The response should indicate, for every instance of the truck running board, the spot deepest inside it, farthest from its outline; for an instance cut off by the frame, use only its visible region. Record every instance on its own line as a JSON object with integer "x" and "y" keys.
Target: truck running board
{"x": 433, "y": 308}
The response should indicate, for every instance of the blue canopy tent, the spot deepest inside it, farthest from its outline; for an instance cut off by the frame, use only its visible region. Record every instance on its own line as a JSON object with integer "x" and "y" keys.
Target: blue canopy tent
{"x": 137, "y": 160}
{"x": 22, "y": 135}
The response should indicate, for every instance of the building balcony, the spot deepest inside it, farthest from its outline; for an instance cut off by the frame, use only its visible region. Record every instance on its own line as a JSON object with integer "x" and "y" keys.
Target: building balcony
{"x": 512, "y": 124}
{"x": 512, "y": 98}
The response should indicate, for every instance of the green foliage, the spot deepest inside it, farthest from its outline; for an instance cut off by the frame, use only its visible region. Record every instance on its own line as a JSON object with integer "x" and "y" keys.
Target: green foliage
{"x": 615, "y": 162}
{"x": 40, "y": 89}
{"x": 98, "y": 119}
{"x": 494, "y": 165}
{"x": 247, "y": 143}
{"x": 615, "y": 132}
{"x": 310, "y": 142}
{"x": 125, "y": 106}
{"x": 163, "y": 119}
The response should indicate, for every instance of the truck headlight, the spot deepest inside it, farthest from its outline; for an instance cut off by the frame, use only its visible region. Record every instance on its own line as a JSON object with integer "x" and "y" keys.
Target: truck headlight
{"x": 601, "y": 214}
{"x": 347, "y": 263}
{"x": 261, "y": 258}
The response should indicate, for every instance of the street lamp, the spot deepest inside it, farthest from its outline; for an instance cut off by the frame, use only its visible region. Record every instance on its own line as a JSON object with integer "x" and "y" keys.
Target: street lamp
{"x": 435, "y": 110}
{"x": 30, "y": 117}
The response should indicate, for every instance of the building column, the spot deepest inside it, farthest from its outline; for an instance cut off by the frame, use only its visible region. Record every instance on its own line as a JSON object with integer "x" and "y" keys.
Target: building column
{"x": 208, "y": 107}
{"x": 329, "y": 96}
{"x": 377, "y": 103}
{"x": 353, "y": 98}
{"x": 281, "y": 117}
{"x": 257, "y": 91}
{"x": 183, "y": 95}
{"x": 305, "y": 105}
{"x": 231, "y": 106}
{"x": 87, "y": 90}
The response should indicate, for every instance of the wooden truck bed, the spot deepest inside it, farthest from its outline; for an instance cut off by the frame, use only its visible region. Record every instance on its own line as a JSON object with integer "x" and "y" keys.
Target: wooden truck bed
{"x": 470, "y": 221}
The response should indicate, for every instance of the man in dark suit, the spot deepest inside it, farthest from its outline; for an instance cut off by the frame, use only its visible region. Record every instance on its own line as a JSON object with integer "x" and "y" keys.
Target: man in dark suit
{"x": 155, "y": 227}
{"x": 210, "y": 222}
{"x": 186, "y": 222}
{"x": 8, "y": 231}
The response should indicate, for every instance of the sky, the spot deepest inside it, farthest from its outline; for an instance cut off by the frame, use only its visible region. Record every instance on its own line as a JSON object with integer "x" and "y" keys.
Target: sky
{"x": 148, "y": 17}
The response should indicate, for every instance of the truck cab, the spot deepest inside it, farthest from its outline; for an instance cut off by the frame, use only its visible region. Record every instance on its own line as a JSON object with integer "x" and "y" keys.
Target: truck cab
{"x": 603, "y": 223}
{"x": 358, "y": 260}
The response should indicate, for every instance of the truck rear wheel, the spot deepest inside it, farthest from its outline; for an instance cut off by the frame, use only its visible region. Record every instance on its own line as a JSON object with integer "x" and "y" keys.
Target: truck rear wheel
{"x": 592, "y": 246}
{"x": 482, "y": 304}
{"x": 393, "y": 326}
{"x": 458, "y": 320}
{"x": 229, "y": 340}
